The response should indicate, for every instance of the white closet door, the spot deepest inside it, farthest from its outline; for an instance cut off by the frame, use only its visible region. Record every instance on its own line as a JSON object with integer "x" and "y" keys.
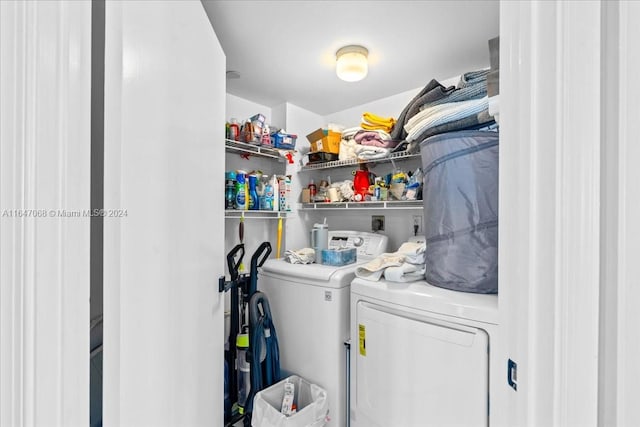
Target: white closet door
{"x": 45, "y": 87}
{"x": 164, "y": 164}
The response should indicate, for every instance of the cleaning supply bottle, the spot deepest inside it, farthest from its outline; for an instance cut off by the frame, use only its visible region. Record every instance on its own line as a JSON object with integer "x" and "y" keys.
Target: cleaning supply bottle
{"x": 284, "y": 187}
{"x": 268, "y": 196}
{"x": 312, "y": 190}
{"x": 244, "y": 369}
{"x": 234, "y": 130}
{"x": 241, "y": 201}
{"x": 247, "y": 132}
{"x": 276, "y": 193}
{"x": 265, "y": 138}
{"x": 230, "y": 191}
{"x": 254, "y": 202}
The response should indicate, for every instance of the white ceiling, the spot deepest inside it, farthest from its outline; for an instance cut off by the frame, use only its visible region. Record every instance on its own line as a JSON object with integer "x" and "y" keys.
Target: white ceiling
{"x": 285, "y": 50}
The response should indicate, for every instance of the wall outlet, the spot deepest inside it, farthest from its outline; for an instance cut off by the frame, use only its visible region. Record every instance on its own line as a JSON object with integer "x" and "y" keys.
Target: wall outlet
{"x": 417, "y": 221}
{"x": 377, "y": 222}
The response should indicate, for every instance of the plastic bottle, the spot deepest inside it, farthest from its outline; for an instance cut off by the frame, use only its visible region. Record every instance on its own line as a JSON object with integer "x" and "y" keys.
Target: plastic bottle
{"x": 284, "y": 188}
{"x": 268, "y": 196}
{"x": 247, "y": 132}
{"x": 229, "y": 194}
{"x": 241, "y": 201}
{"x": 234, "y": 130}
{"x": 276, "y": 193}
{"x": 254, "y": 202}
{"x": 244, "y": 369}
{"x": 265, "y": 138}
{"x": 312, "y": 190}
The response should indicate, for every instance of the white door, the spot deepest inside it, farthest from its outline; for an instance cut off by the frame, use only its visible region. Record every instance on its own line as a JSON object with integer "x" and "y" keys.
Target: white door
{"x": 45, "y": 141}
{"x": 164, "y": 164}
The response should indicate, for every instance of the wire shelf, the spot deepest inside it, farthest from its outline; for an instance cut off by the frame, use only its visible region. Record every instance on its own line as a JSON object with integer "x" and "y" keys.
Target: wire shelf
{"x": 254, "y": 150}
{"x": 392, "y": 204}
{"x": 232, "y": 213}
{"x": 401, "y": 155}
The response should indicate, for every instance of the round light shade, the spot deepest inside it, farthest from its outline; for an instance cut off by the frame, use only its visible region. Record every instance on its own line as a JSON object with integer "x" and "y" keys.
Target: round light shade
{"x": 351, "y": 63}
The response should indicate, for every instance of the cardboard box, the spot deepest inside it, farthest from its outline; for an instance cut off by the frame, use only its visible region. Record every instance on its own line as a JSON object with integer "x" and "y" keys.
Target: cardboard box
{"x": 325, "y": 140}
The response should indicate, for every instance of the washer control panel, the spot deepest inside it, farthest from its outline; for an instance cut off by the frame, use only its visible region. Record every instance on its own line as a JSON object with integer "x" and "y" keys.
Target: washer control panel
{"x": 368, "y": 245}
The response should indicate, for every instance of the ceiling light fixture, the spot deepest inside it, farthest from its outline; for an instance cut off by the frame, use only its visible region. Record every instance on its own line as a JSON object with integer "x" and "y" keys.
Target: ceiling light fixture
{"x": 351, "y": 63}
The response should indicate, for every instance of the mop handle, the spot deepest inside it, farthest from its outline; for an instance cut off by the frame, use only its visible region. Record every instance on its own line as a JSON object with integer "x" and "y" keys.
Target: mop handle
{"x": 279, "y": 244}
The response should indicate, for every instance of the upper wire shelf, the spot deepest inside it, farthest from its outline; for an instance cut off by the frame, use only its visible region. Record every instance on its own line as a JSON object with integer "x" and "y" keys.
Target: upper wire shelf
{"x": 340, "y": 163}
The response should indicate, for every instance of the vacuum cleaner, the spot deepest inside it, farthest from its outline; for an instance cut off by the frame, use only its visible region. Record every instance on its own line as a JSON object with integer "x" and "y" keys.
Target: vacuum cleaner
{"x": 253, "y": 343}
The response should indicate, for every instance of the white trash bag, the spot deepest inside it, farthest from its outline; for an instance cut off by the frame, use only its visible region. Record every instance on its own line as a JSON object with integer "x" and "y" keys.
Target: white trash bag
{"x": 312, "y": 405}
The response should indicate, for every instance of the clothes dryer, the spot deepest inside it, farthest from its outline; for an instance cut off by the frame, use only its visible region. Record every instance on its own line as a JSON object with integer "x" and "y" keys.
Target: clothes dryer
{"x": 310, "y": 310}
{"x": 420, "y": 355}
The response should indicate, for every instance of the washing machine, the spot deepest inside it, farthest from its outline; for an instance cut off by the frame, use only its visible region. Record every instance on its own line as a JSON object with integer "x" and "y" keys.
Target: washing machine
{"x": 310, "y": 309}
{"x": 420, "y": 355}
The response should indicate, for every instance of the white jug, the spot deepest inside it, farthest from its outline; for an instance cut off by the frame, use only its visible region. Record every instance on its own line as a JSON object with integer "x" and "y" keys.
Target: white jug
{"x": 319, "y": 239}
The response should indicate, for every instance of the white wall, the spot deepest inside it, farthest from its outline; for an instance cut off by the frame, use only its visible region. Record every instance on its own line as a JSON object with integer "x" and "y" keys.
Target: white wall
{"x": 241, "y": 109}
{"x": 391, "y": 106}
{"x": 300, "y": 122}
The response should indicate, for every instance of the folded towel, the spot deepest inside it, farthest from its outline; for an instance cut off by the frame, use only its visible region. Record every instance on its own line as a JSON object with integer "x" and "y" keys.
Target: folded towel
{"x": 404, "y": 265}
{"x": 371, "y": 121}
{"x": 376, "y": 138}
{"x": 446, "y": 112}
{"x": 347, "y": 149}
{"x": 413, "y": 252}
{"x": 378, "y": 120}
{"x": 374, "y": 269}
{"x": 367, "y": 152}
{"x": 300, "y": 256}
{"x": 369, "y": 126}
{"x": 350, "y": 132}
{"x": 405, "y": 273}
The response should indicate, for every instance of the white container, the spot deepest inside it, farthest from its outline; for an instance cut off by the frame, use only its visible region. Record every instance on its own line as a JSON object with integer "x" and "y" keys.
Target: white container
{"x": 312, "y": 406}
{"x": 319, "y": 240}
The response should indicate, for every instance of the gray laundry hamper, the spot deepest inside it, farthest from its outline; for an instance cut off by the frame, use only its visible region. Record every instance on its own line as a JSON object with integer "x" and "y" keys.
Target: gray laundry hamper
{"x": 460, "y": 196}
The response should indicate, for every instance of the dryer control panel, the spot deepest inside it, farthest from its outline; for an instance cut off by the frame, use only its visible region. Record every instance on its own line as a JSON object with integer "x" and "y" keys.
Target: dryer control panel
{"x": 368, "y": 245}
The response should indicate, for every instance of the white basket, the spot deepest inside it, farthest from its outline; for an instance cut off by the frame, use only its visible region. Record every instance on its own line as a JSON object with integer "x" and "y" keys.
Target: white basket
{"x": 311, "y": 400}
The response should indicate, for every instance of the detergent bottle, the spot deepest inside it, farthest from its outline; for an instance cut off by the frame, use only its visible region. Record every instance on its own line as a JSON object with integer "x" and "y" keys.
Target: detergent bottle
{"x": 254, "y": 202}
{"x": 361, "y": 184}
{"x": 241, "y": 201}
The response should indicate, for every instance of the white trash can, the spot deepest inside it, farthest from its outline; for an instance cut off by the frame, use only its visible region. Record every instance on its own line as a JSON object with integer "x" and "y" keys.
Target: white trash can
{"x": 311, "y": 402}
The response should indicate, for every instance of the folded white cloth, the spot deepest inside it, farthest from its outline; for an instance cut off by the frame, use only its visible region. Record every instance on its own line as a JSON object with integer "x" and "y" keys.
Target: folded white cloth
{"x": 347, "y": 149}
{"x": 350, "y": 132}
{"x": 369, "y": 152}
{"x": 374, "y": 269}
{"x": 300, "y": 256}
{"x": 405, "y": 273}
{"x": 413, "y": 252}
{"x": 404, "y": 265}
